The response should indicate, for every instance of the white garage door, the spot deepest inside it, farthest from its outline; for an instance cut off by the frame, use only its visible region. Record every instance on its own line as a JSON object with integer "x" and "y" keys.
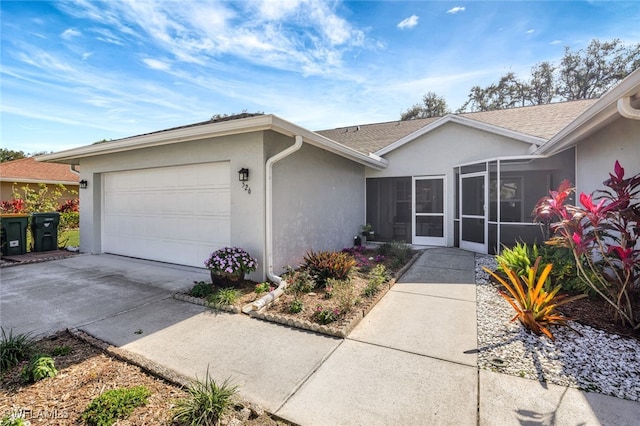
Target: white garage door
{"x": 174, "y": 214}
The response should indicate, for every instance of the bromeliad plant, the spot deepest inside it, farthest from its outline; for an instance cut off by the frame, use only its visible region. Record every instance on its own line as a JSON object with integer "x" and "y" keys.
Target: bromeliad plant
{"x": 231, "y": 261}
{"x": 532, "y": 298}
{"x": 604, "y": 236}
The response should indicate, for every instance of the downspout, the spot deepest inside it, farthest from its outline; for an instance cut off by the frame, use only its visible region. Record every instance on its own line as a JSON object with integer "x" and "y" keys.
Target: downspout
{"x": 627, "y": 110}
{"x": 273, "y": 295}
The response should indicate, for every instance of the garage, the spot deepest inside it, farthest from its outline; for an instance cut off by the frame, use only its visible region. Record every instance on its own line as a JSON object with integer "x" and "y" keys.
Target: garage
{"x": 177, "y": 214}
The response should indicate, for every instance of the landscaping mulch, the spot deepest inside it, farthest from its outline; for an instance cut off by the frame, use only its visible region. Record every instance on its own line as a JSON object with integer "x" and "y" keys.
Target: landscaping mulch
{"x": 85, "y": 373}
{"x": 279, "y": 311}
{"x": 598, "y": 314}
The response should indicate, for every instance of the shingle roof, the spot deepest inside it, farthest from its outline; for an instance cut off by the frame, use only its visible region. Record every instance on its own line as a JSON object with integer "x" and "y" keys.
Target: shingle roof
{"x": 543, "y": 121}
{"x": 29, "y": 168}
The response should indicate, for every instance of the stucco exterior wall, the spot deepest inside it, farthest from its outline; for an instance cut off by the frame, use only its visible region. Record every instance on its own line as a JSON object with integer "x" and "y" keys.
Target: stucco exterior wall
{"x": 247, "y": 210}
{"x": 597, "y": 154}
{"x": 318, "y": 204}
{"x": 439, "y": 151}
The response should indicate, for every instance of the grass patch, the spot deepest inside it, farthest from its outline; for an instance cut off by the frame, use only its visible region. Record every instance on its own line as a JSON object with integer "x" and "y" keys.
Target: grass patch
{"x": 115, "y": 404}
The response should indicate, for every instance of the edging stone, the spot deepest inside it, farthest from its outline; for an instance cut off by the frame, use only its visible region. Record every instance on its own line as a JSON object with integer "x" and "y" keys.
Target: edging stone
{"x": 198, "y": 301}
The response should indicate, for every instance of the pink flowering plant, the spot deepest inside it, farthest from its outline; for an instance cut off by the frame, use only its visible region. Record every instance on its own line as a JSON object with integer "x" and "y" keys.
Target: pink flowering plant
{"x": 231, "y": 261}
{"x": 604, "y": 235}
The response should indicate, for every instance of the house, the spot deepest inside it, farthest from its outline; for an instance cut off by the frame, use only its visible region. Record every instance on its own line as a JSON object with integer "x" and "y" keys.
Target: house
{"x": 277, "y": 189}
{"x": 17, "y": 174}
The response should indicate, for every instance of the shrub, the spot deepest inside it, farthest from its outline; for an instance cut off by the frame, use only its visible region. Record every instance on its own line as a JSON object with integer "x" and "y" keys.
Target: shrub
{"x": 40, "y": 367}
{"x": 603, "y": 236}
{"x": 69, "y": 220}
{"x": 344, "y": 292}
{"x": 296, "y": 306}
{"x": 114, "y": 404}
{"x": 377, "y": 277}
{"x": 225, "y": 296}
{"x": 206, "y": 403}
{"x": 532, "y": 298}
{"x": 325, "y": 316}
{"x": 328, "y": 264}
{"x": 517, "y": 258}
{"x": 14, "y": 348}
{"x": 565, "y": 271}
{"x": 398, "y": 251}
{"x": 69, "y": 206}
{"x": 300, "y": 281}
{"x": 231, "y": 260}
{"x": 14, "y": 419}
{"x": 201, "y": 289}
{"x": 12, "y": 206}
{"x": 262, "y": 288}
{"x": 61, "y": 350}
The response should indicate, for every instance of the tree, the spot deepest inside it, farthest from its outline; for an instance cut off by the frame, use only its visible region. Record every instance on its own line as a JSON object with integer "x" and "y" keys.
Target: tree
{"x": 10, "y": 155}
{"x": 588, "y": 74}
{"x": 432, "y": 106}
{"x": 541, "y": 87}
{"x": 584, "y": 74}
{"x": 509, "y": 92}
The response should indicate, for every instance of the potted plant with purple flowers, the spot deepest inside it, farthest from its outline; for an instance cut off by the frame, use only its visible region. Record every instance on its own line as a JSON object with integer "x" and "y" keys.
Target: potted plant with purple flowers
{"x": 231, "y": 263}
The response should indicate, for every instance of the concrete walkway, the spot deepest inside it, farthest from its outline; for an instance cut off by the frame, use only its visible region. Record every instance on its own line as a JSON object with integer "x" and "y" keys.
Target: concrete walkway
{"x": 411, "y": 361}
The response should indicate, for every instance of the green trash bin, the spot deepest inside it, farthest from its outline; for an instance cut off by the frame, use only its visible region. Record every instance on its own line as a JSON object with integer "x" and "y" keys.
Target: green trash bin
{"x": 44, "y": 229}
{"x": 13, "y": 234}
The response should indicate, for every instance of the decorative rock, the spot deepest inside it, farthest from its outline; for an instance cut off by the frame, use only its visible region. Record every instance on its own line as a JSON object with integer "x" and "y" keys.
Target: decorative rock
{"x": 596, "y": 361}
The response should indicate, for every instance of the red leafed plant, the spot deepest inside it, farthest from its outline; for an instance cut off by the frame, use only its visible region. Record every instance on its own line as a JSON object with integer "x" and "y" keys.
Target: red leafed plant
{"x": 12, "y": 206}
{"x": 604, "y": 235}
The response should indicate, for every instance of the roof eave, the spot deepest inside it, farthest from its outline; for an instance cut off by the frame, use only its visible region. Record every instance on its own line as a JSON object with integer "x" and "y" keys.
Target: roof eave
{"x": 213, "y": 130}
{"x": 32, "y": 180}
{"x": 451, "y": 118}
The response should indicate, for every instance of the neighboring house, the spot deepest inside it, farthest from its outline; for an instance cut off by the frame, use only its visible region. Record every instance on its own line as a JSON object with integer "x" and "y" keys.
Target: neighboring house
{"x": 29, "y": 172}
{"x": 468, "y": 180}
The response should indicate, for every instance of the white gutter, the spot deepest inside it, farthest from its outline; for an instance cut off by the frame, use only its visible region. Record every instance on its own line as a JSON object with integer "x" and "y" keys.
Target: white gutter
{"x": 626, "y": 110}
{"x": 273, "y": 295}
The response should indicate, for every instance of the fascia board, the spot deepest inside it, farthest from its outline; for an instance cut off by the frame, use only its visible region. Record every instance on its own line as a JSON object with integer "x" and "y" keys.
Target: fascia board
{"x": 205, "y": 131}
{"x": 597, "y": 115}
{"x": 450, "y": 118}
{"x": 289, "y": 129}
{"x": 48, "y": 182}
{"x": 247, "y": 125}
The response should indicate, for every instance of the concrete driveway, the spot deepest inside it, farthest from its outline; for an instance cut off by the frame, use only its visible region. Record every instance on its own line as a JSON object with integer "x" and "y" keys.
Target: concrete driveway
{"x": 43, "y": 298}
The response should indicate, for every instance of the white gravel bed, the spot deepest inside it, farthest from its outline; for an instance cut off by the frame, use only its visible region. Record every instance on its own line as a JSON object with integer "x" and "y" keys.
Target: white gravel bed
{"x": 596, "y": 361}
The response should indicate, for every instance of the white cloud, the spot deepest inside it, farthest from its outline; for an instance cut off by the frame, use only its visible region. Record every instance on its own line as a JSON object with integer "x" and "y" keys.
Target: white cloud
{"x": 70, "y": 33}
{"x": 531, "y": 31}
{"x": 456, "y": 9}
{"x": 409, "y": 22}
{"x": 556, "y": 42}
{"x": 155, "y": 64}
{"x": 86, "y": 55}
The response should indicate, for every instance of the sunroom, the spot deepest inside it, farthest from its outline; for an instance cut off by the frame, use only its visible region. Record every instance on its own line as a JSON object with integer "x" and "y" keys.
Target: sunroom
{"x": 492, "y": 202}
{"x": 495, "y": 199}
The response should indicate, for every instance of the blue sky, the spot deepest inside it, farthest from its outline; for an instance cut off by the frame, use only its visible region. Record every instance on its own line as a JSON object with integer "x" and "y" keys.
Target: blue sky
{"x": 75, "y": 72}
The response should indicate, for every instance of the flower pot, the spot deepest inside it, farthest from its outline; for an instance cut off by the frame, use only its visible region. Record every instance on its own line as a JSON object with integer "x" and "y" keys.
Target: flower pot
{"x": 233, "y": 277}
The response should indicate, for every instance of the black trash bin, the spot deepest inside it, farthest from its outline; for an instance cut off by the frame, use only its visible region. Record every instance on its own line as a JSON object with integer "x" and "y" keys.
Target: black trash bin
{"x": 13, "y": 234}
{"x": 44, "y": 229}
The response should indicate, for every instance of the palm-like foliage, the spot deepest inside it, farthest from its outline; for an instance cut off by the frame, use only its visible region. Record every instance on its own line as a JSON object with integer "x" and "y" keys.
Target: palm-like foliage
{"x": 533, "y": 300}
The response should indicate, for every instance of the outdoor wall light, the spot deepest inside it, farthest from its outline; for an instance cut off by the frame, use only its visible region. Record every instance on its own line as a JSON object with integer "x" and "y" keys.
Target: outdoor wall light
{"x": 243, "y": 175}
{"x": 84, "y": 184}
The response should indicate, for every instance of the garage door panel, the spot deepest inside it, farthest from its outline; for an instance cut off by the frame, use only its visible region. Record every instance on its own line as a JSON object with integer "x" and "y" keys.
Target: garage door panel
{"x": 175, "y": 214}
